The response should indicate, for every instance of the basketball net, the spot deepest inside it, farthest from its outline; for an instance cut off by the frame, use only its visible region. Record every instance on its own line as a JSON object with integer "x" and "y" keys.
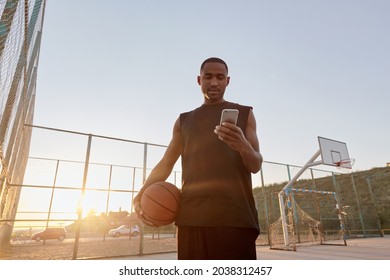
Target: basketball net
{"x": 346, "y": 163}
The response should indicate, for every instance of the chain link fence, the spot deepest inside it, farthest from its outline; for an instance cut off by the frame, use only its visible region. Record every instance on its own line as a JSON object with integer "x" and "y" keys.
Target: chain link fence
{"x": 86, "y": 184}
{"x": 20, "y": 38}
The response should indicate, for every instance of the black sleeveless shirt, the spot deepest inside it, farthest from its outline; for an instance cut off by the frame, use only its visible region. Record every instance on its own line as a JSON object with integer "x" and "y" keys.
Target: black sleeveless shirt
{"x": 216, "y": 186}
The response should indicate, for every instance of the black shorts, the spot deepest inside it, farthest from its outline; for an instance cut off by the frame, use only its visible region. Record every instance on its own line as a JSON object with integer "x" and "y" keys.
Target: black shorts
{"x": 216, "y": 243}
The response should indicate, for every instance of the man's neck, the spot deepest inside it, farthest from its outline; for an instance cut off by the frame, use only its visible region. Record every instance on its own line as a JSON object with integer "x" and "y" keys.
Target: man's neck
{"x": 213, "y": 102}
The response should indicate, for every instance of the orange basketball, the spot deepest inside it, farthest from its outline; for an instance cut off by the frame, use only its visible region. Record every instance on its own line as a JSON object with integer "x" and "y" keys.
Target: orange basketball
{"x": 160, "y": 203}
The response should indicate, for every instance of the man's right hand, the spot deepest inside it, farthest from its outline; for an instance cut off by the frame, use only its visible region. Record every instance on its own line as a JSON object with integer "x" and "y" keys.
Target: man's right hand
{"x": 140, "y": 214}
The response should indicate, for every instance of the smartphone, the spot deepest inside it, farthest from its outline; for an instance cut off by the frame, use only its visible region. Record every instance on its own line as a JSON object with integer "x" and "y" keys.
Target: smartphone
{"x": 229, "y": 115}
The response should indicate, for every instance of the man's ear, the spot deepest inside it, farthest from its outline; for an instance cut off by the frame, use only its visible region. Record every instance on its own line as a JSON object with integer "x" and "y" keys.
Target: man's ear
{"x": 198, "y": 80}
{"x": 228, "y": 81}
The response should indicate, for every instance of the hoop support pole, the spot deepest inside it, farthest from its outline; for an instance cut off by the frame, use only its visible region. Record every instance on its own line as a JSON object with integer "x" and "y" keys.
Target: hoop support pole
{"x": 310, "y": 163}
{"x": 283, "y": 216}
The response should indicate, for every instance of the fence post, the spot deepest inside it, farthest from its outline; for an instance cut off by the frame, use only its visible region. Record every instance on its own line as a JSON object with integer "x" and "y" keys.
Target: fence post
{"x": 358, "y": 205}
{"x": 132, "y": 191}
{"x": 288, "y": 172}
{"x": 145, "y": 162}
{"x": 52, "y": 194}
{"x": 80, "y": 209}
{"x": 108, "y": 200}
{"x": 375, "y": 208}
{"x": 265, "y": 206}
{"x": 141, "y": 238}
{"x": 318, "y": 208}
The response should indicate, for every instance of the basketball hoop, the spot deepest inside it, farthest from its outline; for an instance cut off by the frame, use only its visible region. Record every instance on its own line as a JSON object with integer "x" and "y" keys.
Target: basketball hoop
{"x": 345, "y": 163}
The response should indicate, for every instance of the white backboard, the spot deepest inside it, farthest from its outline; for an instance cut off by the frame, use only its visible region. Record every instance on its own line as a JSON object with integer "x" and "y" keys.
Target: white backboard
{"x": 334, "y": 152}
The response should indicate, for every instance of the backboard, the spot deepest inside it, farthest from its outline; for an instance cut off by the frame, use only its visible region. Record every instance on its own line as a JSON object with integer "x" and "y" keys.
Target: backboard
{"x": 334, "y": 153}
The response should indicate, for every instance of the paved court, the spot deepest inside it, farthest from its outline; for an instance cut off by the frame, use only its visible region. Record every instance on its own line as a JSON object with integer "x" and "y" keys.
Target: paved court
{"x": 375, "y": 248}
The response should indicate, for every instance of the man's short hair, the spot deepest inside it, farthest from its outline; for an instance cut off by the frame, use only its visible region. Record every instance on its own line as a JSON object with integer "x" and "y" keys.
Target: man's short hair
{"x": 214, "y": 59}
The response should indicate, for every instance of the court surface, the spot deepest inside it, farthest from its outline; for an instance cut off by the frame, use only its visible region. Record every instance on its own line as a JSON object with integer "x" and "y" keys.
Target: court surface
{"x": 373, "y": 248}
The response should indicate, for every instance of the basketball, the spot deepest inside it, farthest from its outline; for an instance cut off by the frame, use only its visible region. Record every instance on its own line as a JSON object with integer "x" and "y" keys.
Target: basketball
{"x": 160, "y": 203}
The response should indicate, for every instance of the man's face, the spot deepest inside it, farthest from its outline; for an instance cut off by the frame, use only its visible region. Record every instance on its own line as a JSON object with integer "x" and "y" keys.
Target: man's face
{"x": 213, "y": 81}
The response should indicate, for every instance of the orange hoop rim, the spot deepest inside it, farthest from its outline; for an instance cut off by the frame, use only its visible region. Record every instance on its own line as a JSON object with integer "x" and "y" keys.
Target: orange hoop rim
{"x": 342, "y": 163}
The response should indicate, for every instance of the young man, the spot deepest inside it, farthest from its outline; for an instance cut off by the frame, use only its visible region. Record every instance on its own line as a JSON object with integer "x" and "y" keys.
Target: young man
{"x": 217, "y": 218}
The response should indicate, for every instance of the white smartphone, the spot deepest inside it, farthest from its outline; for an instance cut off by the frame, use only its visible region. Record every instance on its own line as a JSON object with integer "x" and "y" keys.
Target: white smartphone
{"x": 229, "y": 115}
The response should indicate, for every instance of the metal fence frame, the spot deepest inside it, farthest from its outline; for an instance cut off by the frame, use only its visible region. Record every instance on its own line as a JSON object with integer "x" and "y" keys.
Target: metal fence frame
{"x": 265, "y": 181}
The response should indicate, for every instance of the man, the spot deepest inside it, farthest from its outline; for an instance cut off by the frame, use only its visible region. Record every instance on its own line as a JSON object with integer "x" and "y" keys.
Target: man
{"x": 217, "y": 218}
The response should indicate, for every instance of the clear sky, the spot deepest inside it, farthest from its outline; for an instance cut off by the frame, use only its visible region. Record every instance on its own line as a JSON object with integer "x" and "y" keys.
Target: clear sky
{"x": 309, "y": 68}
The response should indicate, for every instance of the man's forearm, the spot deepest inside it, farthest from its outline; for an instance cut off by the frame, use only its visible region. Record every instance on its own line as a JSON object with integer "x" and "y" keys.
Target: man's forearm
{"x": 159, "y": 173}
{"x": 251, "y": 158}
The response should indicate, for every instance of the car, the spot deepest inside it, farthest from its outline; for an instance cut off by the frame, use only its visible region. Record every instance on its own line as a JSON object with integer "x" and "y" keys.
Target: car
{"x": 50, "y": 233}
{"x": 124, "y": 230}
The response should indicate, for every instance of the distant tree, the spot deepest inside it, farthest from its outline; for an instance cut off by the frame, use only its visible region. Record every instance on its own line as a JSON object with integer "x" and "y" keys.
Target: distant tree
{"x": 91, "y": 213}
{"x": 117, "y": 215}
